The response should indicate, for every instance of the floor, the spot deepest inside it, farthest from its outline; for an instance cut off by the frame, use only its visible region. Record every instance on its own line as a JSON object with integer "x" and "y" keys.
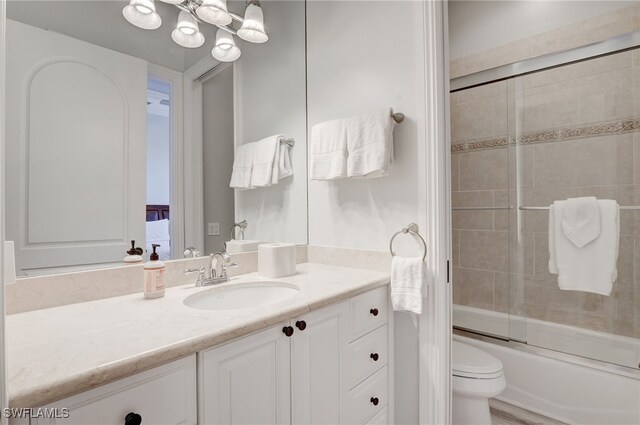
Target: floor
{"x": 507, "y": 414}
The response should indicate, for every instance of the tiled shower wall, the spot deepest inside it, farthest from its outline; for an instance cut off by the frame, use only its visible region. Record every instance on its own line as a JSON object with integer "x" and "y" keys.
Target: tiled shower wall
{"x": 567, "y": 132}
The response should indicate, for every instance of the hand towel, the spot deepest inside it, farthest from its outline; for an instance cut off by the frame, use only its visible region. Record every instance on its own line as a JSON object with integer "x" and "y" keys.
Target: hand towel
{"x": 370, "y": 144}
{"x": 328, "y": 151}
{"x": 592, "y": 268}
{"x": 242, "y": 166}
{"x": 266, "y": 156}
{"x": 408, "y": 276}
{"x": 581, "y": 220}
{"x": 284, "y": 160}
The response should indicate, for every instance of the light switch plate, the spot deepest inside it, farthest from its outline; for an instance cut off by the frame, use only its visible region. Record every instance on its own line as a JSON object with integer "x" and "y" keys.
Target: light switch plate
{"x": 214, "y": 229}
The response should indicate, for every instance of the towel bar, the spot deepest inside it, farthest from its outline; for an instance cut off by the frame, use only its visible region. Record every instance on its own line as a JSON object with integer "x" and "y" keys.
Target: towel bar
{"x": 413, "y": 229}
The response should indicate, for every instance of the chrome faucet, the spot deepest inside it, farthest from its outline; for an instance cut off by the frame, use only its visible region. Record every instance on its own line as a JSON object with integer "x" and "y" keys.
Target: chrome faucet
{"x": 242, "y": 226}
{"x": 223, "y": 262}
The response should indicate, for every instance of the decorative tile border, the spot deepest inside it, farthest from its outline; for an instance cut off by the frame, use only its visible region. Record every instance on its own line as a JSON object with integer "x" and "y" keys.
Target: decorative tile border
{"x": 547, "y": 136}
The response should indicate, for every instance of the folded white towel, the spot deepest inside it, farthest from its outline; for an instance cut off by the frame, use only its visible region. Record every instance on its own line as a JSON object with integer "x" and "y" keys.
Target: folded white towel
{"x": 581, "y": 220}
{"x": 370, "y": 144}
{"x": 266, "y": 158}
{"x": 242, "y": 166}
{"x": 408, "y": 277}
{"x": 328, "y": 150}
{"x": 593, "y": 267}
{"x": 284, "y": 160}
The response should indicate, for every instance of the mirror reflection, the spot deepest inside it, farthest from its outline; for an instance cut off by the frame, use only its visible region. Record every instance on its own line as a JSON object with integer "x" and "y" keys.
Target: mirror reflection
{"x": 181, "y": 126}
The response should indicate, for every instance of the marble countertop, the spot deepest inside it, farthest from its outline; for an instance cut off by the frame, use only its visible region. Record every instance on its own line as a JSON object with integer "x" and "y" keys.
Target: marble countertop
{"x": 58, "y": 352}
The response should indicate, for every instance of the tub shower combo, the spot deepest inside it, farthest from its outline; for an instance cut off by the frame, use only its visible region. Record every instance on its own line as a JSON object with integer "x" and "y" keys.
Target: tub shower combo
{"x": 524, "y": 135}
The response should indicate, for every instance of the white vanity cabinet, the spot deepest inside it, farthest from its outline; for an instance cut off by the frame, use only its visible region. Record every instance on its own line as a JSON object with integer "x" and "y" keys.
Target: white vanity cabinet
{"x": 326, "y": 367}
{"x": 163, "y": 395}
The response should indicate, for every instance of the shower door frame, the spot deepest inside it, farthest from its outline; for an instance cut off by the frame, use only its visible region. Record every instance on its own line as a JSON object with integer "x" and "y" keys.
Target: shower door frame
{"x": 611, "y": 46}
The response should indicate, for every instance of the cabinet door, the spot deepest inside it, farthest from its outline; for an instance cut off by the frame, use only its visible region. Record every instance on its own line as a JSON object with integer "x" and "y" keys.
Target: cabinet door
{"x": 165, "y": 395}
{"x": 319, "y": 365}
{"x": 247, "y": 381}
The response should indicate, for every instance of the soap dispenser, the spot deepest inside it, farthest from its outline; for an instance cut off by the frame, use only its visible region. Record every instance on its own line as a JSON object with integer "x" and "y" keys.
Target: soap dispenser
{"x": 154, "y": 275}
{"x": 135, "y": 254}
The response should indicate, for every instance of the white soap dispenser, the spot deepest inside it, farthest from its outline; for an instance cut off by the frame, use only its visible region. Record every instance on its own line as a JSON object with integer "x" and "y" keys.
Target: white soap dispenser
{"x": 154, "y": 275}
{"x": 134, "y": 254}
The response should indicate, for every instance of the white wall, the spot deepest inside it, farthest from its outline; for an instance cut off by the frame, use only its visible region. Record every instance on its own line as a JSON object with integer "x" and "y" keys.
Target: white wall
{"x": 270, "y": 99}
{"x": 217, "y": 107}
{"x": 158, "y": 162}
{"x": 355, "y": 65}
{"x": 475, "y": 26}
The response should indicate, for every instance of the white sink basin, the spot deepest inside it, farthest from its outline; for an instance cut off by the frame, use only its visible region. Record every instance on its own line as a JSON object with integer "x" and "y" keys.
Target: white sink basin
{"x": 237, "y": 246}
{"x": 241, "y": 295}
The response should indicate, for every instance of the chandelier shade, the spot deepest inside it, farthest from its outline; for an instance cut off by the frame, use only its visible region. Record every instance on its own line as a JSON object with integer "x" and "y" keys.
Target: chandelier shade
{"x": 187, "y": 33}
{"x": 225, "y": 49}
{"x": 214, "y": 12}
{"x": 253, "y": 26}
{"x": 142, "y": 14}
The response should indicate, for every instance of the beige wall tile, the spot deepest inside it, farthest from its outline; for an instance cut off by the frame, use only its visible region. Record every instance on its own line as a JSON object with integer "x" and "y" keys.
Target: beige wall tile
{"x": 483, "y": 170}
{"x": 607, "y": 96}
{"x": 455, "y": 248}
{"x": 472, "y": 120}
{"x": 486, "y": 250}
{"x": 473, "y": 288}
{"x": 479, "y": 219}
{"x": 556, "y": 106}
{"x": 487, "y": 91}
{"x": 455, "y": 181}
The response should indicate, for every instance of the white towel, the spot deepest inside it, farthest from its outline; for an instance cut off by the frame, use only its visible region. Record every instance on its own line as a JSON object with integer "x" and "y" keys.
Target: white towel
{"x": 328, "y": 159}
{"x": 370, "y": 144}
{"x": 242, "y": 166}
{"x": 284, "y": 160}
{"x": 266, "y": 158}
{"x": 408, "y": 277}
{"x": 592, "y": 268}
{"x": 581, "y": 220}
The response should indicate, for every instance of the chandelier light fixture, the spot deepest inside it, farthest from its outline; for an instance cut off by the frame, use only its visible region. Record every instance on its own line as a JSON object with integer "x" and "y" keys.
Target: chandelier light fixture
{"x": 142, "y": 14}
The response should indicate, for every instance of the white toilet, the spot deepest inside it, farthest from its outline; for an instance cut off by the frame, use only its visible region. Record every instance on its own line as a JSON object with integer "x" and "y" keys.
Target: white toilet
{"x": 477, "y": 376}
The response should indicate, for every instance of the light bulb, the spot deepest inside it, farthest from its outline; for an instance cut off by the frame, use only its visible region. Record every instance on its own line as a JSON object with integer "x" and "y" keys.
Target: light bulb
{"x": 187, "y": 33}
{"x": 225, "y": 49}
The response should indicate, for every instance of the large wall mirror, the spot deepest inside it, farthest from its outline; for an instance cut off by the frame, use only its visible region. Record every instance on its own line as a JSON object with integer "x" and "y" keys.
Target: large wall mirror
{"x": 117, "y": 133}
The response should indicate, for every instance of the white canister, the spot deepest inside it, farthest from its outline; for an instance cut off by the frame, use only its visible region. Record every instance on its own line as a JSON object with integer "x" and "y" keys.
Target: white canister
{"x": 276, "y": 259}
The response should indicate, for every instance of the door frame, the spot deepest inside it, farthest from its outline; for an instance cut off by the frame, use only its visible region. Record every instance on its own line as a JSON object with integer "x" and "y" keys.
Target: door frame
{"x": 4, "y": 401}
{"x": 193, "y": 152}
{"x": 434, "y": 187}
{"x": 176, "y": 167}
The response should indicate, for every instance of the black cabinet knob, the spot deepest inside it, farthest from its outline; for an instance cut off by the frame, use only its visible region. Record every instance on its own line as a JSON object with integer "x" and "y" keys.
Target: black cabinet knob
{"x": 374, "y": 400}
{"x": 374, "y": 356}
{"x": 132, "y": 419}
{"x": 301, "y": 324}
{"x": 374, "y": 311}
{"x": 287, "y": 330}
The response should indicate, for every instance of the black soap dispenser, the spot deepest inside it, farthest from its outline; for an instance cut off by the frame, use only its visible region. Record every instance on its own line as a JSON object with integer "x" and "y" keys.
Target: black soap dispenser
{"x": 134, "y": 254}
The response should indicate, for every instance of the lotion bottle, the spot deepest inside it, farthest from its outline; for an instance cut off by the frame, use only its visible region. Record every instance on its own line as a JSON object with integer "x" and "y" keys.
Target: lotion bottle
{"x": 134, "y": 254}
{"x": 154, "y": 275}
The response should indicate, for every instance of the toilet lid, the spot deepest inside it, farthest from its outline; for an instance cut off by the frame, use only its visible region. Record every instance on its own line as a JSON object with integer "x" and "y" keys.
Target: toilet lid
{"x": 471, "y": 362}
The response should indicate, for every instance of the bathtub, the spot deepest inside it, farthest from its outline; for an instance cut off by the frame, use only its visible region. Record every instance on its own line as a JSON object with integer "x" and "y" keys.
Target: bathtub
{"x": 564, "y": 387}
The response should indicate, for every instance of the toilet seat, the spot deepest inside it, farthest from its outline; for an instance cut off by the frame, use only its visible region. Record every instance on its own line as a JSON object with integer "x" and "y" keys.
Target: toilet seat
{"x": 470, "y": 362}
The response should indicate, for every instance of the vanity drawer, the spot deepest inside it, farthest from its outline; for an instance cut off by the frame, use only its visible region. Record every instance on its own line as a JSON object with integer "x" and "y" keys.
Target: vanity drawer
{"x": 368, "y": 311}
{"x": 368, "y": 398}
{"x": 381, "y": 418}
{"x": 164, "y": 395}
{"x": 367, "y": 354}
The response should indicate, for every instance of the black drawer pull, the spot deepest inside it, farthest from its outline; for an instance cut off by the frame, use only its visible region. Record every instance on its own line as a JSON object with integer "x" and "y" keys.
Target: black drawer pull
{"x": 374, "y": 400}
{"x": 374, "y": 311}
{"x": 301, "y": 324}
{"x": 132, "y": 419}
{"x": 374, "y": 356}
{"x": 287, "y": 330}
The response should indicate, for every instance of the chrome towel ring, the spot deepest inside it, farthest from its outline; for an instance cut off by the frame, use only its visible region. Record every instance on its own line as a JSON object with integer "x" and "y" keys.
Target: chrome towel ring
{"x": 413, "y": 229}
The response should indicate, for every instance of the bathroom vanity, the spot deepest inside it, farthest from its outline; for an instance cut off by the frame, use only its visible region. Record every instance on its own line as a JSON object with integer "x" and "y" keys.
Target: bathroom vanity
{"x": 322, "y": 355}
